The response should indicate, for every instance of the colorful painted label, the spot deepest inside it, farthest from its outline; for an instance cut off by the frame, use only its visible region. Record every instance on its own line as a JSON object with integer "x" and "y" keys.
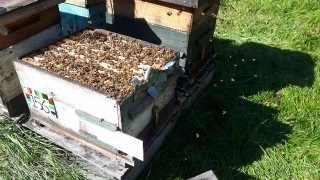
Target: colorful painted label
{"x": 40, "y": 101}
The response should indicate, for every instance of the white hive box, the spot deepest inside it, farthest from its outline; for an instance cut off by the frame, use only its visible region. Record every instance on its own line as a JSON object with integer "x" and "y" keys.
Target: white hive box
{"x": 68, "y": 88}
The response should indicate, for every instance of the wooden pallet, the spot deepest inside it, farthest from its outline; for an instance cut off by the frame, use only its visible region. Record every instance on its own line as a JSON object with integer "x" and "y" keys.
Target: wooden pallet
{"x": 107, "y": 165}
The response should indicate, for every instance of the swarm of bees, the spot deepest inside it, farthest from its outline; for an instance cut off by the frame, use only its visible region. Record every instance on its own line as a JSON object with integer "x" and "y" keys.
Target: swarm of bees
{"x": 105, "y": 61}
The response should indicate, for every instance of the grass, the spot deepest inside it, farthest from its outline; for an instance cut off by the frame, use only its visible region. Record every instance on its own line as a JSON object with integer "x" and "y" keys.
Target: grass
{"x": 25, "y": 155}
{"x": 258, "y": 119}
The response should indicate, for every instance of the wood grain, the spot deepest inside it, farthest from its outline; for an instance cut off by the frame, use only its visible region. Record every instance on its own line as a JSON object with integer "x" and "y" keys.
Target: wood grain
{"x": 27, "y": 11}
{"x": 22, "y": 29}
{"x": 204, "y": 12}
{"x": 155, "y": 12}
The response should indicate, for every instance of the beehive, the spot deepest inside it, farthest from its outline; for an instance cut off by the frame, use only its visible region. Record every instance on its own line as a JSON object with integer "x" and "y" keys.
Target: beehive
{"x": 186, "y": 26}
{"x": 25, "y": 25}
{"x": 102, "y": 85}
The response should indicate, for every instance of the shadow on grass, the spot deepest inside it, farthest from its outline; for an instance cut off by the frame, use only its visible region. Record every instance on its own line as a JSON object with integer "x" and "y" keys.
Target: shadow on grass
{"x": 224, "y": 131}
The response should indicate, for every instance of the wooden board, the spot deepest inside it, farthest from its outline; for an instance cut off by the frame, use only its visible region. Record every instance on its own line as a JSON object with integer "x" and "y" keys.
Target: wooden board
{"x": 9, "y": 83}
{"x": 148, "y": 32}
{"x": 84, "y": 3}
{"x": 26, "y": 11}
{"x": 106, "y": 164}
{"x": 7, "y": 6}
{"x": 155, "y": 12}
{"x": 24, "y": 28}
{"x": 164, "y": 14}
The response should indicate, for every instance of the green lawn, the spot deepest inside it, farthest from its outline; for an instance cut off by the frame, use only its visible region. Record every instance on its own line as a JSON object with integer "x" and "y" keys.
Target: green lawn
{"x": 258, "y": 119}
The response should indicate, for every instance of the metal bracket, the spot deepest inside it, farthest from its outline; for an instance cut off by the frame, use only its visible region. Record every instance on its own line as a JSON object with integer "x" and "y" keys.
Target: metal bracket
{"x": 97, "y": 121}
{"x": 94, "y": 139}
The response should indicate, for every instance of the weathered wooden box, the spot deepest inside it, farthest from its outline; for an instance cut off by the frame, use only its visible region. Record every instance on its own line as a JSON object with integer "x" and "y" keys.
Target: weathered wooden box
{"x": 112, "y": 120}
{"x": 185, "y": 26}
{"x": 75, "y": 18}
{"x": 25, "y": 25}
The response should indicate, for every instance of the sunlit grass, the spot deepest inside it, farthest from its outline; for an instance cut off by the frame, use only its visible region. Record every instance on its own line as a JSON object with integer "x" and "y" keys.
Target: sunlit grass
{"x": 260, "y": 117}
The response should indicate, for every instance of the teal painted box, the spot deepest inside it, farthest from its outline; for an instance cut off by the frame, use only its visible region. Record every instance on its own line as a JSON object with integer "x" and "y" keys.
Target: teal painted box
{"x": 75, "y": 18}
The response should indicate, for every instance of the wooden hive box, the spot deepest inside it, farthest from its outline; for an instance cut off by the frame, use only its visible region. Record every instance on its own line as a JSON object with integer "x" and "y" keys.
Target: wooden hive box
{"x": 75, "y": 18}
{"x": 25, "y": 25}
{"x": 102, "y": 108}
{"x": 186, "y": 26}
